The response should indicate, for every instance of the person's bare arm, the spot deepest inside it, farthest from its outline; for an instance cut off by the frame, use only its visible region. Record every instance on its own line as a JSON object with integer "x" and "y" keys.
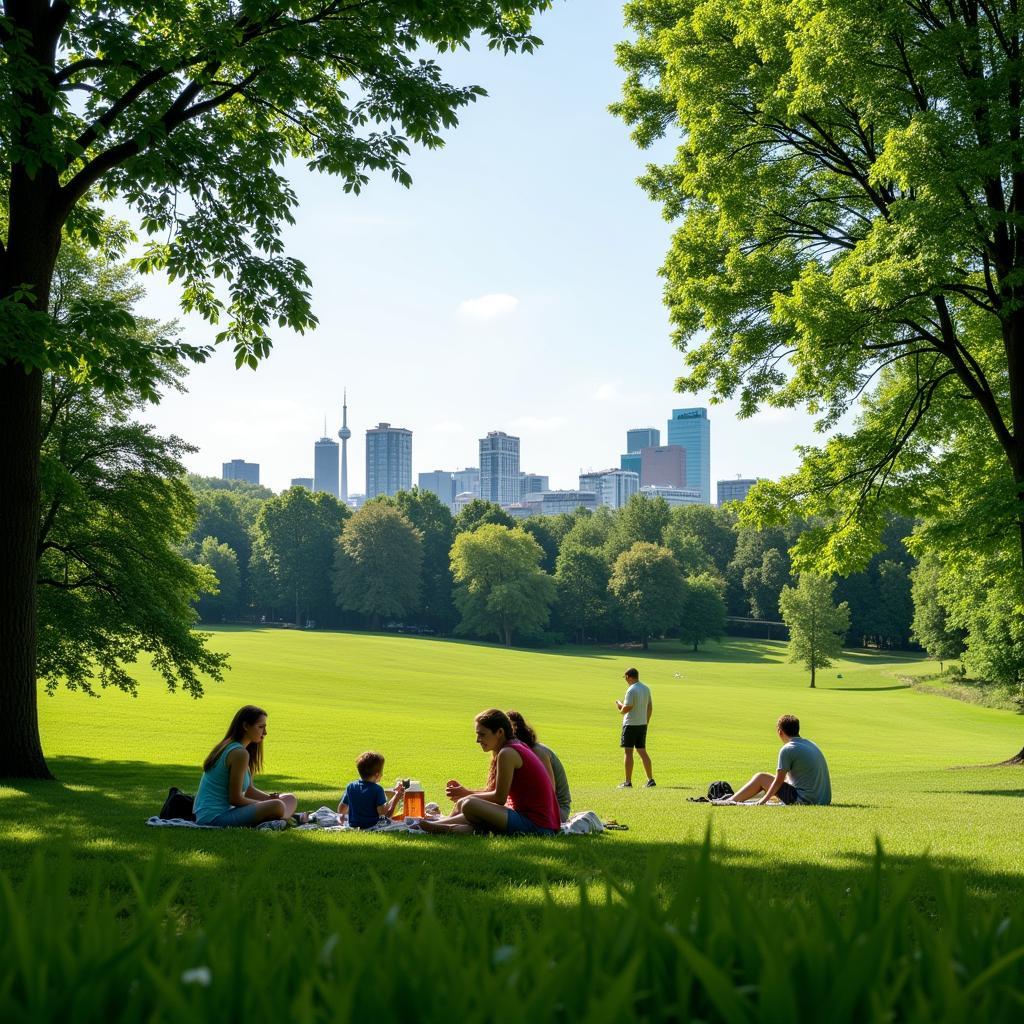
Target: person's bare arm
{"x": 650, "y": 710}
{"x": 623, "y": 708}
{"x": 238, "y": 762}
{"x": 780, "y": 778}
{"x": 508, "y": 762}
{"x": 455, "y": 790}
{"x": 386, "y": 810}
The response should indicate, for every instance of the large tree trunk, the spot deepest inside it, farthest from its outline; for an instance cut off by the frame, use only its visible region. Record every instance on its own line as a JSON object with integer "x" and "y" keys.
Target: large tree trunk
{"x": 21, "y": 753}
{"x": 812, "y": 677}
{"x": 33, "y": 240}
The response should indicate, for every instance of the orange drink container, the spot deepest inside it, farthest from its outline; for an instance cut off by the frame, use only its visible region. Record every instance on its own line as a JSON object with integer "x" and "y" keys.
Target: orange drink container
{"x": 414, "y": 800}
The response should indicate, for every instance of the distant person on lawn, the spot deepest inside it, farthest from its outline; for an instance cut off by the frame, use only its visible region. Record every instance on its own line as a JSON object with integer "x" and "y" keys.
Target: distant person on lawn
{"x": 519, "y": 799}
{"x": 526, "y": 734}
{"x": 636, "y": 709}
{"x": 801, "y": 777}
{"x": 226, "y": 797}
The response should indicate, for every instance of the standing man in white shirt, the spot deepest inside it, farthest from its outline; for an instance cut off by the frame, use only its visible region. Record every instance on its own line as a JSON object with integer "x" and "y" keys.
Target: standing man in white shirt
{"x": 636, "y": 709}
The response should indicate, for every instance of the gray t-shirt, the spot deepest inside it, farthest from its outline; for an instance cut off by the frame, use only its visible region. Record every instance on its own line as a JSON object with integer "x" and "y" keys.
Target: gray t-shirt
{"x": 640, "y": 697}
{"x": 562, "y": 793}
{"x": 807, "y": 771}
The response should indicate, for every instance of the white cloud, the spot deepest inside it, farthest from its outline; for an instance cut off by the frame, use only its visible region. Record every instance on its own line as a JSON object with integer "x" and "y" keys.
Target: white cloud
{"x": 488, "y": 307}
{"x": 607, "y": 393}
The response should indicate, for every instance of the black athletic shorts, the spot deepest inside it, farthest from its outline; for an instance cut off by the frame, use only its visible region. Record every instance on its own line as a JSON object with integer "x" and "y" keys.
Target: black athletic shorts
{"x": 634, "y": 736}
{"x": 787, "y": 793}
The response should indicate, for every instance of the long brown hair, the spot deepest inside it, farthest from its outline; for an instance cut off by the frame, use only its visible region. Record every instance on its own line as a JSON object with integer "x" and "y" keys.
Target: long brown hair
{"x": 244, "y": 716}
{"x": 524, "y": 732}
{"x": 495, "y": 719}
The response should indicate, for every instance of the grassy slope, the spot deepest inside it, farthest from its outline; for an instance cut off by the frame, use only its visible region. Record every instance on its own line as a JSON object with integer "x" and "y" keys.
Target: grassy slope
{"x": 330, "y": 696}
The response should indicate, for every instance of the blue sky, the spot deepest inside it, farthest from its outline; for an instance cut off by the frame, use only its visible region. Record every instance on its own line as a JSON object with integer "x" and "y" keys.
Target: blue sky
{"x": 513, "y": 287}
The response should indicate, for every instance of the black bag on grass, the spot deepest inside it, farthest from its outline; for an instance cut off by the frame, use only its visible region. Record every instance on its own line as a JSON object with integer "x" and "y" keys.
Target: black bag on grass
{"x": 178, "y": 805}
{"x": 719, "y": 791}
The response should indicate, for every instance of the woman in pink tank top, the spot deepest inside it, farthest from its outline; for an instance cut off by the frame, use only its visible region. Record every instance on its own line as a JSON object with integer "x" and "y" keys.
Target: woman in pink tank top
{"x": 519, "y": 799}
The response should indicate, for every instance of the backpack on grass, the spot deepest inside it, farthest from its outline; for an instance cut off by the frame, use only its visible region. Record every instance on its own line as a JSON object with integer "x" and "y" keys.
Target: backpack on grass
{"x": 178, "y": 805}
{"x": 716, "y": 791}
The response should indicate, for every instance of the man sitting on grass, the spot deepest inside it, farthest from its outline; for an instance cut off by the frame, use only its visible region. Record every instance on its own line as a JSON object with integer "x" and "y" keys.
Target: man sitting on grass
{"x": 802, "y": 776}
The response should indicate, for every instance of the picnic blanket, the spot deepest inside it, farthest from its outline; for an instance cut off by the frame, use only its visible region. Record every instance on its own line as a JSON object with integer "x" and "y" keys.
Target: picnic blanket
{"x": 156, "y": 822}
{"x": 325, "y": 820}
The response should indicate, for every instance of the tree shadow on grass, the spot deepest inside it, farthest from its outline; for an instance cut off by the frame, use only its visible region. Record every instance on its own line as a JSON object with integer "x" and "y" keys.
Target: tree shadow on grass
{"x": 994, "y": 792}
{"x": 96, "y": 815}
{"x": 866, "y": 689}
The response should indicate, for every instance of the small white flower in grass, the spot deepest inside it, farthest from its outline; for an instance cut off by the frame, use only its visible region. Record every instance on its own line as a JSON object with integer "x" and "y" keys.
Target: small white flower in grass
{"x": 197, "y": 976}
{"x": 503, "y": 954}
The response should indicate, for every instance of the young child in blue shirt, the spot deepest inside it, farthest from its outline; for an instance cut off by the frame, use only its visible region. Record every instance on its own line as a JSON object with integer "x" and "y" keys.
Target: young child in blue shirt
{"x": 365, "y": 801}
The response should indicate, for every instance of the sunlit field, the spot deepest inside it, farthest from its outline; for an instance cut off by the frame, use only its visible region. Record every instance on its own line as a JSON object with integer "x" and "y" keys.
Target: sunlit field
{"x": 907, "y": 769}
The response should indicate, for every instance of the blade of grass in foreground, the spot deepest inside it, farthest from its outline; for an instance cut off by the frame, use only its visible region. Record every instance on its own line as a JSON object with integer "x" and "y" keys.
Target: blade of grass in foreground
{"x": 708, "y": 953}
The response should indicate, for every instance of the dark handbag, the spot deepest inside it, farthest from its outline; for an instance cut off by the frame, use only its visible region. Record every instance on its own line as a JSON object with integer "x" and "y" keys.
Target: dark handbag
{"x": 178, "y": 805}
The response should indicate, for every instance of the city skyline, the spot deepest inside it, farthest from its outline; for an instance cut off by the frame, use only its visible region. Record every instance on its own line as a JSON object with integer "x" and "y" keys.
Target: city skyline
{"x": 660, "y": 469}
{"x": 418, "y": 305}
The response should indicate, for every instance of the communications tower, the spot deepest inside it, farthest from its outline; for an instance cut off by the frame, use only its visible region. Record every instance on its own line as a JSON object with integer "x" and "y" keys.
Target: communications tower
{"x": 344, "y": 434}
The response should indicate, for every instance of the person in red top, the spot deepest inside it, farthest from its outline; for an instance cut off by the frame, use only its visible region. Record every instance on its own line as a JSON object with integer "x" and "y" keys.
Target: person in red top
{"x": 519, "y": 799}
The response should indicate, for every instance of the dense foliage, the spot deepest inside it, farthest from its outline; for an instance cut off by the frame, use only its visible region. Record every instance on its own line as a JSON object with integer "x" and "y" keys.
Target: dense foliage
{"x": 716, "y": 569}
{"x": 847, "y": 194}
{"x": 188, "y": 113}
{"x": 112, "y": 584}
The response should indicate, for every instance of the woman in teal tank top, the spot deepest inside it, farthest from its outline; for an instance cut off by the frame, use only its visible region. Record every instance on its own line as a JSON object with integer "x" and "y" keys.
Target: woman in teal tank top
{"x": 226, "y": 796}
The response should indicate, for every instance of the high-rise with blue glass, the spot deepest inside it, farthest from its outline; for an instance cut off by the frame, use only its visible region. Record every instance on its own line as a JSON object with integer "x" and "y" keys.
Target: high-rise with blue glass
{"x": 691, "y": 429}
{"x": 388, "y": 460}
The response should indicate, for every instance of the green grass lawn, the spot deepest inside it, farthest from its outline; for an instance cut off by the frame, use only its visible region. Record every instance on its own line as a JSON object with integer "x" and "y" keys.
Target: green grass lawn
{"x": 904, "y": 769}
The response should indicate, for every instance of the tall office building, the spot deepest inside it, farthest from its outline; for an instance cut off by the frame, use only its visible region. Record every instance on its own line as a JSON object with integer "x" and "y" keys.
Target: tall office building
{"x": 325, "y": 464}
{"x": 591, "y": 481}
{"x": 388, "y": 460}
{"x": 630, "y": 462}
{"x": 663, "y": 467}
{"x": 642, "y": 437}
{"x": 467, "y": 481}
{"x": 441, "y": 483}
{"x": 499, "y": 468}
{"x": 532, "y": 483}
{"x": 613, "y": 487}
{"x": 616, "y": 487}
{"x": 344, "y": 434}
{"x": 691, "y": 429}
{"x": 302, "y": 481}
{"x": 734, "y": 490}
{"x": 239, "y": 469}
